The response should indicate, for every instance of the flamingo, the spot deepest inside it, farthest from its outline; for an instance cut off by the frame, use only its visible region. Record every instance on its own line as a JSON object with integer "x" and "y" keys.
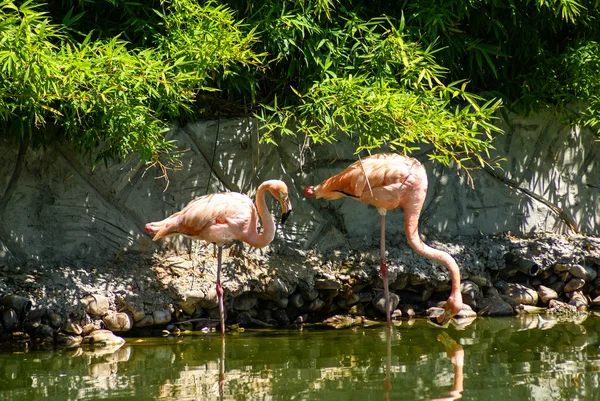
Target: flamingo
{"x": 222, "y": 217}
{"x": 388, "y": 181}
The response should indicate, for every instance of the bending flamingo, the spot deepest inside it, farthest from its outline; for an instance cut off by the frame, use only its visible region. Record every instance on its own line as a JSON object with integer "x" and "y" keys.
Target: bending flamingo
{"x": 222, "y": 217}
{"x": 388, "y": 181}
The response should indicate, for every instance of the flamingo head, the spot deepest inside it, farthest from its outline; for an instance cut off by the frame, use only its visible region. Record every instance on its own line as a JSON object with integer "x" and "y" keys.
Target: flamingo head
{"x": 309, "y": 192}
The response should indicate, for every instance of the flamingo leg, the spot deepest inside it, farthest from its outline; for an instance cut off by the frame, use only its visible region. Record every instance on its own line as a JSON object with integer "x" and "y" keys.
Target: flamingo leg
{"x": 220, "y": 289}
{"x": 384, "y": 269}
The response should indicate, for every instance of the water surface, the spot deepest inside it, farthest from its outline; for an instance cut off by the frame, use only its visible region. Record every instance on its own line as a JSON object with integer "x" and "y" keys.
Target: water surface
{"x": 499, "y": 358}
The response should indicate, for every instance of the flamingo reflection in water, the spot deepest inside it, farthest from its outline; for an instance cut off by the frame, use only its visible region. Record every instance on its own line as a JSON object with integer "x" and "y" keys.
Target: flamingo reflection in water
{"x": 454, "y": 351}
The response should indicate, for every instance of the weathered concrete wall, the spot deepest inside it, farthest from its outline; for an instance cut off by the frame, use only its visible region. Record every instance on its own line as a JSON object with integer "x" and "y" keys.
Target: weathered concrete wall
{"x": 54, "y": 208}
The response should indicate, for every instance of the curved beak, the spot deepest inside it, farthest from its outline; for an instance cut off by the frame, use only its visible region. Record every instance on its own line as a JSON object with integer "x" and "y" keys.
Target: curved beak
{"x": 286, "y": 207}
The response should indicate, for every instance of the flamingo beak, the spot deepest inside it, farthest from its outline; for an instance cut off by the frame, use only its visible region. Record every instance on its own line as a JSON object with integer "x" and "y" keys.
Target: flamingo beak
{"x": 286, "y": 208}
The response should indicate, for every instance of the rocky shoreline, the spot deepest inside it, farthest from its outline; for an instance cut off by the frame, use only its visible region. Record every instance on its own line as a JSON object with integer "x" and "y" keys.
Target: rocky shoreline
{"x": 141, "y": 295}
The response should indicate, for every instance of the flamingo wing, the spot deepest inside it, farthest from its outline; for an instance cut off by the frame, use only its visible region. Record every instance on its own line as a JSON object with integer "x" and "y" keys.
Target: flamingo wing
{"x": 367, "y": 177}
{"x": 218, "y": 218}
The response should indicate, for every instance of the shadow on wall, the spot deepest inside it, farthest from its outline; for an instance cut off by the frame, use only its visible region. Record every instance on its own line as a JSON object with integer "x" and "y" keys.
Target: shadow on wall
{"x": 55, "y": 208}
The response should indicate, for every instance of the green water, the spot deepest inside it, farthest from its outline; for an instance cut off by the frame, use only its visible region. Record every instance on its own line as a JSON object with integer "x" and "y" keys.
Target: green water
{"x": 503, "y": 359}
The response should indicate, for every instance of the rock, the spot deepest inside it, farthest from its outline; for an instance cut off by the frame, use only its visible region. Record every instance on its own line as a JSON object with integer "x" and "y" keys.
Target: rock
{"x": 579, "y": 301}
{"x": 9, "y": 319}
{"x": 209, "y": 300}
{"x": 365, "y": 296}
{"x": 296, "y": 300}
{"x": 190, "y": 302}
{"x": 407, "y": 311}
{"x": 310, "y": 295}
{"x": 548, "y": 281}
{"x": 522, "y": 294}
{"x": 494, "y": 306}
{"x": 162, "y": 316}
{"x": 561, "y": 308}
{"x": 43, "y": 330}
{"x": 138, "y": 314}
{"x": 574, "y": 284}
{"x": 546, "y": 294}
{"x": 465, "y": 312}
{"x": 118, "y": 322}
{"x": 146, "y": 321}
{"x": 276, "y": 289}
{"x": 245, "y": 302}
{"x": 315, "y": 305}
{"x": 282, "y": 303}
{"x": 481, "y": 280}
{"x": 584, "y": 272}
{"x": 103, "y": 338}
{"x": 558, "y": 286}
{"x": 21, "y": 305}
{"x": 342, "y": 321}
{"x": 357, "y": 310}
{"x": 96, "y": 305}
{"x": 90, "y": 327}
{"x": 327, "y": 284}
{"x": 281, "y": 317}
{"x": 379, "y": 302}
{"x": 559, "y": 268}
{"x": 55, "y": 320}
{"x": 470, "y": 292}
{"x": 72, "y": 328}
{"x": 68, "y": 340}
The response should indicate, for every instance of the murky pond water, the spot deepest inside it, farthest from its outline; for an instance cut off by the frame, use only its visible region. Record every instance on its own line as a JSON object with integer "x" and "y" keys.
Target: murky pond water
{"x": 490, "y": 359}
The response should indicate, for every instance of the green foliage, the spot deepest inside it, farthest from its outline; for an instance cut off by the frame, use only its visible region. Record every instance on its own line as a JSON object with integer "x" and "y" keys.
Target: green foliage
{"x": 104, "y": 95}
{"x": 387, "y": 74}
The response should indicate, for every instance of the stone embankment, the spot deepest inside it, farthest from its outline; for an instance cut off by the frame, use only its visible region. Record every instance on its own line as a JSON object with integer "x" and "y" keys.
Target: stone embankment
{"x": 136, "y": 296}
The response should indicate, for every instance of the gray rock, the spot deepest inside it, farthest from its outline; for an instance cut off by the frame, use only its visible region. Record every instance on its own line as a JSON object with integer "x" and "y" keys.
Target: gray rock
{"x": 281, "y": 317}
{"x": 296, "y": 300}
{"x": 470, "y": 292}
{"x": 9, "y": 319}
{"x": 146, "y": 321}
{"x": 210, "y": 299}
{"x": 574, "y": 284}
{"x": 245, "y": 302}
{"x": 522, "y": 294}
{"x": 103, "y": 338}
{"x": 118, "y": 322}
{"x": 586, "y": 273}
{"x": 407, "y": 311}
{"x": 315, "y": 305}
{"x": 68, "y": 340}
{"x": 327, "y": 284}
{"x": 96, "y": 305}
{"x": 379, "y": 302}
{"x": 494, "y": 306}
{"x": 546, "y": 294}
{"x": 162, "y": 316}
{"x": 579, "y": 301}
{"x": 310, "y": 295}
{"x": 55, "y": 320}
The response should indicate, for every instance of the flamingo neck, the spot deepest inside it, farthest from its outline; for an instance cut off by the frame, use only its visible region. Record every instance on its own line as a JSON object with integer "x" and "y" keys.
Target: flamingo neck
{"x": 268, "y": 231}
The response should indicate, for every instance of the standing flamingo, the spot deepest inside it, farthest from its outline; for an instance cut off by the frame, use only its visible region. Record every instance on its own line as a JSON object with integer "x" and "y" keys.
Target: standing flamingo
{"x": 222, "y": 217}
{"x": 388, "y": 181}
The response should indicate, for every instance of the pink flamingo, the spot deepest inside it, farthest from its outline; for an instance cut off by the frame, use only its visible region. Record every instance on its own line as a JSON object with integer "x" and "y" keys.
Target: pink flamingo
{"x": 388, "y": 181}
{"x": 222, "y": 217}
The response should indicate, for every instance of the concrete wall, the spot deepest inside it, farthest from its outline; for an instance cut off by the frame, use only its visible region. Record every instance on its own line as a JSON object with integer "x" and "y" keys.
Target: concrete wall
{"x": 55, "y": 208}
